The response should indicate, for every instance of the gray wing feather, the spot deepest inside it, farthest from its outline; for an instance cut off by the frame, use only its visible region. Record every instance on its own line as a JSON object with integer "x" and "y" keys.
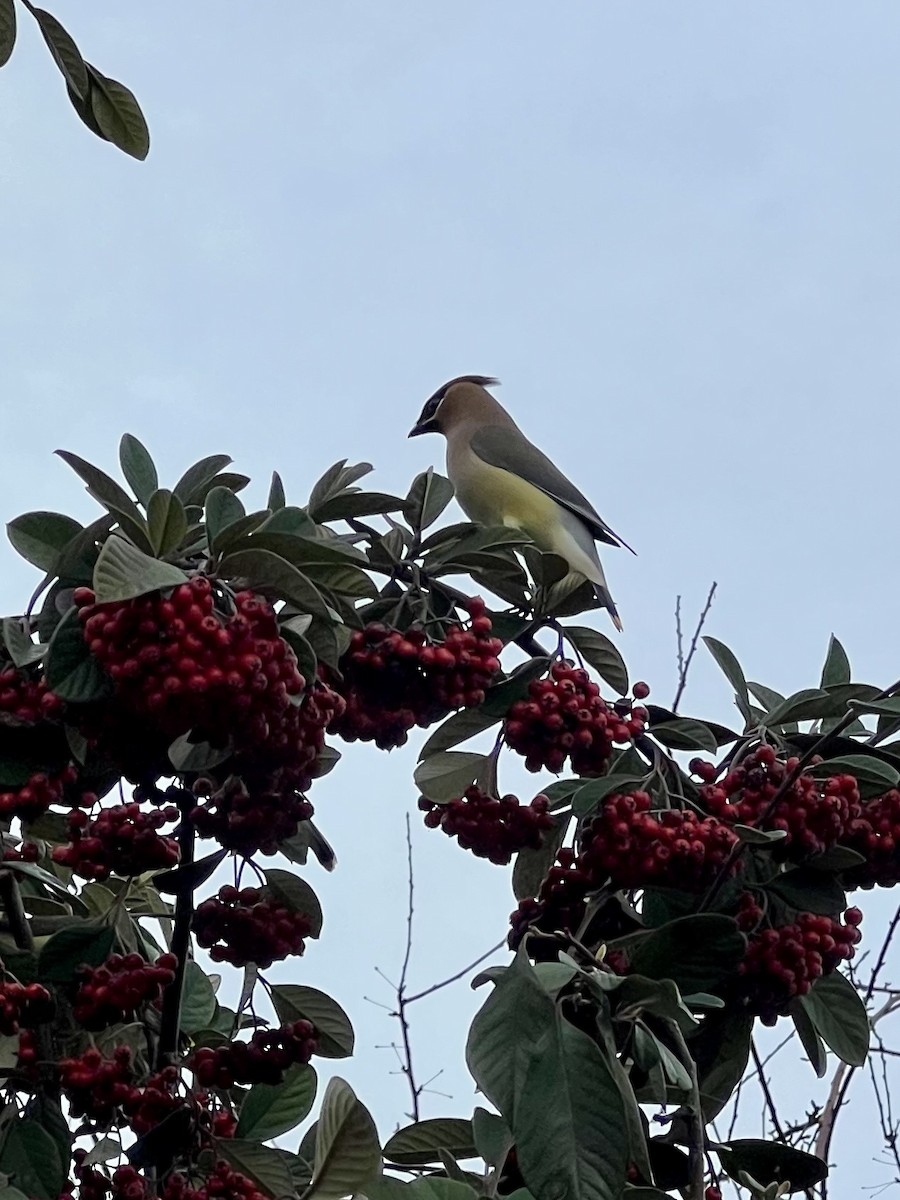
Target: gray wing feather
{"x": 512, "y": 451}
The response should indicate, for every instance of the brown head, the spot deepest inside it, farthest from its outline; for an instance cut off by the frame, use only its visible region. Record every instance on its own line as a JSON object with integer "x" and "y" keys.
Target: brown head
{"x": 462, "y": 399}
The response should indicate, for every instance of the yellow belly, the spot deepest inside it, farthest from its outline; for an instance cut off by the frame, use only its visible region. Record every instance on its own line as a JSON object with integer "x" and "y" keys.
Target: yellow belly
{"x": 493, "y": 496}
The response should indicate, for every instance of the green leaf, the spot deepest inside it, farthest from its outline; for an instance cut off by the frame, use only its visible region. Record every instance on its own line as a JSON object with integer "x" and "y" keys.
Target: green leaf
{"x": 222, "y": 509}
{"x": 889, "y": 707}
{"x": 292, "y": 520}
{"x": 40, "y": 537}
{"x": 445, "y": 776}
{"x": 600, "y": 653}
{"x": 459, "y": 727}
{"x": 118, "y": 114}
{"x": 358, "y": 504}
{"x": 428, "y": 497}
{"x": 19, "y": 645}
{"x": 721, "y": 1050}
{"x": 554, "y": 1089}
{"x": 7, "y": 30}
{"x": 294, "y": 1002}
{"x": 809, "y": 1037}
{"x": 194, "y": 484}
{"x": 88, "y": 943}
{"x": 276, "y": 498}
{"x": 807, "y": 890}
{"x": 335, "y": 480}
{"x": 296, "y": 894}
{"x": 589, "y": 796}
{"x": 123, "y": 572}
{"x": 267, "y": 571}
{"x": 433, "y": 1187}
{"x": 138, "y": 468}
{"x": 266, "y": 1166}
{"x": 421, "y": 1143}
{"x": 268, "y": 1110}
{"x": 771, "y": 1162}
{"x": 65, "y": 53}
{"x": 187, "y": 755}
{"x": 198, "y": 1004}
{"x": 166, "y": 521}
{"x": 685, "y": 734}
{"x": 104, "y": 489}
{"x": 759, "y": 837}
{"x": 839, "y": 1016}
{"x": 70, "y": 670}
{"x": 532, "y": 865}
{"x": 837, "y": 664}
{"x": 493, "y": 1140}
{"x": 836, "y": 858}
{"x": 348, "y": 1153}
{"x": 31, "y": 1160}
{"x": 865, "y": 768}
{"x": 696, "y": 952}
{"x": 500, "y": 697}
{"x": 731, "y": 669}
{"x": 807, "y": 704}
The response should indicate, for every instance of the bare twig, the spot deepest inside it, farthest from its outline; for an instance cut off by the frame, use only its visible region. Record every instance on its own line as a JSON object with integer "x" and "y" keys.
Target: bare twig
{"x": 436, "y": 987}
{"x": 764, "y": 1084}
{"x": 684, "y": 661}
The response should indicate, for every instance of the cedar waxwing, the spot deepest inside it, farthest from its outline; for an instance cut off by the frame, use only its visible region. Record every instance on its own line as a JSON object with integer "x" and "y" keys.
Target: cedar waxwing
{"x": 500, "y": 478}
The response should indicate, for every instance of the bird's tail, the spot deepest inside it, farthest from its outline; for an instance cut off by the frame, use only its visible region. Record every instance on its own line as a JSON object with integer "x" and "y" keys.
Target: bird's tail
{"x": 602, "y": 594}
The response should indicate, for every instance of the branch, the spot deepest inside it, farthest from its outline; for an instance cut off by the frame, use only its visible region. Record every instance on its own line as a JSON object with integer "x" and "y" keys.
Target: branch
{"x": 764, "y": 1084}
{"x": 684, "y": 663}
{"x": 697, "y": 1147}
{"x": 436, "y": 987}
{"x": 406, "y": 1062}
{"x": 170, "y": 1022}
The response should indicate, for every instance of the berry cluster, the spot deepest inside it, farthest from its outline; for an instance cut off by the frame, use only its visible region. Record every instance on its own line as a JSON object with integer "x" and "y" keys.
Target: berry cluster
{"x": 34, "y": 797}
{"x": 783, "y": 963}
{"x": 564, "y": 717}
{"x": 26, "y": 700}
{"x": 152, "y": 1103}
{"x": 393, "y": 681}
{"x": 242, "y": 927}
{"x": 813, "y": 813}
{"x": 26, "y": 852}
{"x": 629, "y": 846}
{"x": 222, "y": 1183}
{"x": 93, "y": 1184}
{"x": 264, "y": 1059}
{"x": 23, "y": 1004}
{"x": 250, "y": 819}
{"x": 116, "y": 990}
{"x": 561, "y": 900}
{"x": 491, "y": 828}
{"x": 96, "y": 1087}
{"x": 874, "y": 832}
{"x": 121, "y": 839}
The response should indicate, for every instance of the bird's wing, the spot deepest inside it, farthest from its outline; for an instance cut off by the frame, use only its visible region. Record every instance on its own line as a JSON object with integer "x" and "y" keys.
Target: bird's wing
{"x": 494, "y": 445}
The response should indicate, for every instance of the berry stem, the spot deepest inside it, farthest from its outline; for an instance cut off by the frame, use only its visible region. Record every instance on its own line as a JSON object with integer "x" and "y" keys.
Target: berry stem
{"x": 170, "y": 1023}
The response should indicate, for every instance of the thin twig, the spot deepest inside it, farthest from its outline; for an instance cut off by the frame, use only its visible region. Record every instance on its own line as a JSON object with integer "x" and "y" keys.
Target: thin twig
{"x": 684, "y": 662}
{"x": 764, "y": 1084}
{"x": 406, "y": 1061}
{"x": 170, "y": 1021}
{"x": 436, "y": 987}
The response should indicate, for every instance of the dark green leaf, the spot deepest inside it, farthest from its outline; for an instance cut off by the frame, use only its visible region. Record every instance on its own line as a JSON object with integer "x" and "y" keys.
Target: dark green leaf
{"x": 759, "y": 837}
{"x": 334, "y": 481}
{"x": 889, "y": 707}
{"x": 87, "y": 943}
{"x": 166, "y": 521}
{"x": 31, "y": 1160}
{"x": 696, "y": 952}
{"x": 685, "y": 734}
{"x": 40, "y": 537}
{"x": 865, "y": 768}
{"x": 292, "y": 520}
{"x": 809, "y": 1038}
{"x": 328, "y": 640}
{"x": 276, "y": 493}
{"x": 600, "y": 653}
{"x": 493, "y": 1139}
{"x": 104, "y": 488}
{"x": 192, "y": 874}
{"x": 358, "y": 504}
{"x": 118, "y": 114}
{"x": 807, "y": 890}
{"x": 837, "y": 664}
{"x": 462, "y": 725}
{"x": 71, "y": 671}
{"x": 731, "y": 669}
{"x": 428, "y": 497}
{"x": 194, "y": 484}
{"x": 501, "y": 696}
{"x": 198, "y": 1005}
{"x": 268, "y": 1110}
{"x": 186, "y": 755}
{"x": 532, "y": 865}
{"x": 65, "y": 53}
{"x": 267, "y": 571}
{"x": 263, "y": 1164}
{"x": 433, "y": 1187}
{"x": 348, "y": 1153}
{"x": 421, "y": 1143}
{"x": 123, "y": 572}
{"x": 589, "y": 796}
{"x": 294, "y": 1003}
{"x": 445, "y": 776}
{"x": 771, "y": 1162}
{"x": 767, "y": 696}
{"x": 836, "y": 1010}
{"x": 296, "y": 894}
{"x": 805, "y": 705}
{"x": 222, "y": 509}
{"x": 19, "y": 645}
{"x": 721, "y": 1050}
{"x": 7, "y": 30}
{"x": 138, "y": 468}
{"x": 836, "y": 858}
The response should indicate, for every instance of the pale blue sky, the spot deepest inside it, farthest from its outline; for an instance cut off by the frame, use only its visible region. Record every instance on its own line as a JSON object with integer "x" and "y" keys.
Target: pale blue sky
{"x": 670, "y": 229}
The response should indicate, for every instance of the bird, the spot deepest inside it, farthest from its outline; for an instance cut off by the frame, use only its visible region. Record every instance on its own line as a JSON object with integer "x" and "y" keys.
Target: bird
{"x": 501, "y": 478}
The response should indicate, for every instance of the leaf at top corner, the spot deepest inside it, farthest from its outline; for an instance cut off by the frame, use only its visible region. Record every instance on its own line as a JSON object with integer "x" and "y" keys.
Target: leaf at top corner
{"x": 118, "y": 114}
{"x": 166, "y": 521}
{"x": 7, "y": 30}
{"x": 40, "y": 537}
{"x": 102, "y": 486}
{"x": 428, "y": 497}
{"x": 138, "y": 468}
{"x": 222, "y": 509}
{"x": 193, "y": 485}
{"x": 122, "y": 572}
{"x": 65, "y": 53}
{"x": 70, "y": 669}
{"x": 599, "y": 652}
{"x": 264, "y": 570}
{"x": 837, "y": 665}
{"x": 348, "y": 1151}
{"x": 446, "y": 775}
{"x": 732, "y": 671}
{"x": 839, "y": 1015}
{"x": 276, "y": 498}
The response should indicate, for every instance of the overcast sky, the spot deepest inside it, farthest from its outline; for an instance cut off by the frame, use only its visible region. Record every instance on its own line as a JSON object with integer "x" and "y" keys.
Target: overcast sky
{"x": 671, "y": 229}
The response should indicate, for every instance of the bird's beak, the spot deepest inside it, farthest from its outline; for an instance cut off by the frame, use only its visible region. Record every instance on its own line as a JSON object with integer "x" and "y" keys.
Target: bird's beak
{"x": 429, "y": 426}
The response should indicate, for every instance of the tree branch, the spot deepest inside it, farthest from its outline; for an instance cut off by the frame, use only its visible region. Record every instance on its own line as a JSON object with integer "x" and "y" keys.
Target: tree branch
{"x": 684, "y": 663}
